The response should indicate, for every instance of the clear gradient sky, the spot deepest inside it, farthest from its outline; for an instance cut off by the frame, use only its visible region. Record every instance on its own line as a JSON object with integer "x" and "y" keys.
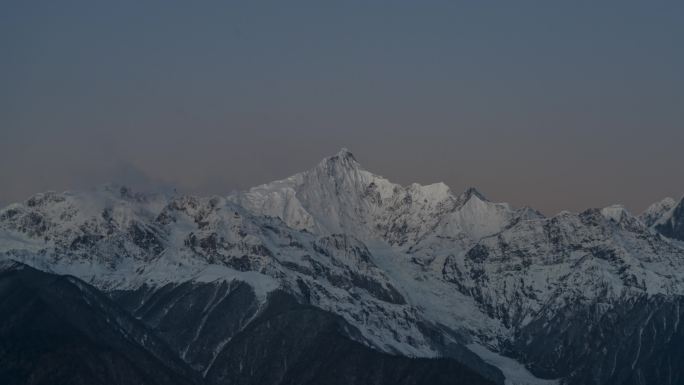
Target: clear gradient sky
{"x": 553, "y": 104}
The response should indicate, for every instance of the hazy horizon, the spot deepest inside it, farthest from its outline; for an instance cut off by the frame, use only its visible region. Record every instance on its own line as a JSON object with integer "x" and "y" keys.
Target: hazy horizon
{"x": 554, "y": 106}
{"x": 138, "y": 182}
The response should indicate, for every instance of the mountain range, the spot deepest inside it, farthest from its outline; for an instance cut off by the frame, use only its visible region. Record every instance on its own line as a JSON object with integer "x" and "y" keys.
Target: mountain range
{"x": 337, "y": 276}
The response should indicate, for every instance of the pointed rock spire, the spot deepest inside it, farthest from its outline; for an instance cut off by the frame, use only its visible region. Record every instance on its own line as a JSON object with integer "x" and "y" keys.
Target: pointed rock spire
{"x": 344, "y": 159}
{"x": 345, "y": 154}
{"x": 468, "y": 194}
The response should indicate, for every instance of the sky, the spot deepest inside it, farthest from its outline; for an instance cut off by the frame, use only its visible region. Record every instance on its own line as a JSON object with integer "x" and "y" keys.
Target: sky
{"x": 556, "y": 105}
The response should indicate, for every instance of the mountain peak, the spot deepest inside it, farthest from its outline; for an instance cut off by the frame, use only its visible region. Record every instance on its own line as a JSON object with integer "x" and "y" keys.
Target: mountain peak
{"x": 671, "y": 224}
{"x": 615, "y": 212}
{"x": 468, "y": 194}
{"x": 657, "y": 210}
{"x": 345, "y": 153}
{"x": 343, "y": 159}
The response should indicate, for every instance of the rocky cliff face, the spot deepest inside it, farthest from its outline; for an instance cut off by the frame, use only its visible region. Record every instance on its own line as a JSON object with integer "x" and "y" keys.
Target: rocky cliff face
{"x": 415, "y": 271}
{"x": 671, "y": 223}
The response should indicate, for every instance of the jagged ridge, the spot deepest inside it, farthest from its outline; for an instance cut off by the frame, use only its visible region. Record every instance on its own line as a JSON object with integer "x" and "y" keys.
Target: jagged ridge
{"x": 418, "y": 270}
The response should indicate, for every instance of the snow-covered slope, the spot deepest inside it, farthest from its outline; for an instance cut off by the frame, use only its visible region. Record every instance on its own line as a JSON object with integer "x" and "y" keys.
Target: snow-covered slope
{"x": 671, "y": 222}
{"x": 418, "y": 270}
{"x": 338, "y": 196}
{"x": 657, "y": 210}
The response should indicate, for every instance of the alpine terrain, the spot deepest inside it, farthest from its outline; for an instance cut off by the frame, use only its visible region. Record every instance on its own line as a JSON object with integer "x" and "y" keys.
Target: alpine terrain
{"x": 337, "y": 276}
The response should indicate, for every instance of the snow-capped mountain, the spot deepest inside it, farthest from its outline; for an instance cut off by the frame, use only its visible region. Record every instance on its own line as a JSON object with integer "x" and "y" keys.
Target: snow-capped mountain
{"x": 338, "y": 196}
{"x": 413, "y": 271}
